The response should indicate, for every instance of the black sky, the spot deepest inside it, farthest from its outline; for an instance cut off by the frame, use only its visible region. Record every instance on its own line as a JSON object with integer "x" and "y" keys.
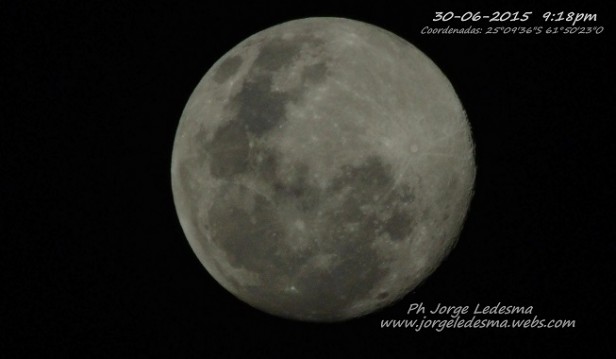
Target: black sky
{"x": 92, "y": 256}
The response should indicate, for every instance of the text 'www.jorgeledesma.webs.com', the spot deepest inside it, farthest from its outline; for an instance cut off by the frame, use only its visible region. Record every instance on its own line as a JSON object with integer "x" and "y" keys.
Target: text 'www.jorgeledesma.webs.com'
{"x": 441, "y": 317}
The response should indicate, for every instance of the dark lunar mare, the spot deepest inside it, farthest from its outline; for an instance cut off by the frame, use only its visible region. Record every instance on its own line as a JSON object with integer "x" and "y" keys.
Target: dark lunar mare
{"x": 256, "y": 107}
{"x": 228, "y": 68}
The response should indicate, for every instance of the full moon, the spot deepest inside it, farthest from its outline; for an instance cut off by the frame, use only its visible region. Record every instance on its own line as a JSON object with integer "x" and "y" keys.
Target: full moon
{"x": 322, "y": 169}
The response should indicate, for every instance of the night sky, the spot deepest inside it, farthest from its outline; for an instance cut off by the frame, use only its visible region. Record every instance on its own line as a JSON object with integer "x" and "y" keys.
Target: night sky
{"x": 93, "y": 260}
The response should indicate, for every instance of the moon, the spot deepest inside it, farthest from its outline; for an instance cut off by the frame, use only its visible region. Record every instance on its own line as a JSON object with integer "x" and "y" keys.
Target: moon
{"x": 322, "y": 169}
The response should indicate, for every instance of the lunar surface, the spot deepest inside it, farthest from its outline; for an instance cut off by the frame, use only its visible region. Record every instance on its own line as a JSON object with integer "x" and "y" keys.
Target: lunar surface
{"x": 322, "y": 169}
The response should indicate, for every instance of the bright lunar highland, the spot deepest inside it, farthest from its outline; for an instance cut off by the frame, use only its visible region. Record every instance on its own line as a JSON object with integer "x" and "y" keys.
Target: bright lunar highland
{"x": 322, "y": 169}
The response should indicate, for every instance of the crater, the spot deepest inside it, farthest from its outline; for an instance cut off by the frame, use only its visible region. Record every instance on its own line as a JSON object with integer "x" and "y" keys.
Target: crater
{"x": 382, "y": 295}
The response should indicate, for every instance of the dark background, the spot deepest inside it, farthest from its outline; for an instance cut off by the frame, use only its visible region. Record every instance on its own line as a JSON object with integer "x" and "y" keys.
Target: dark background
{"x": 93, "y": 259}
